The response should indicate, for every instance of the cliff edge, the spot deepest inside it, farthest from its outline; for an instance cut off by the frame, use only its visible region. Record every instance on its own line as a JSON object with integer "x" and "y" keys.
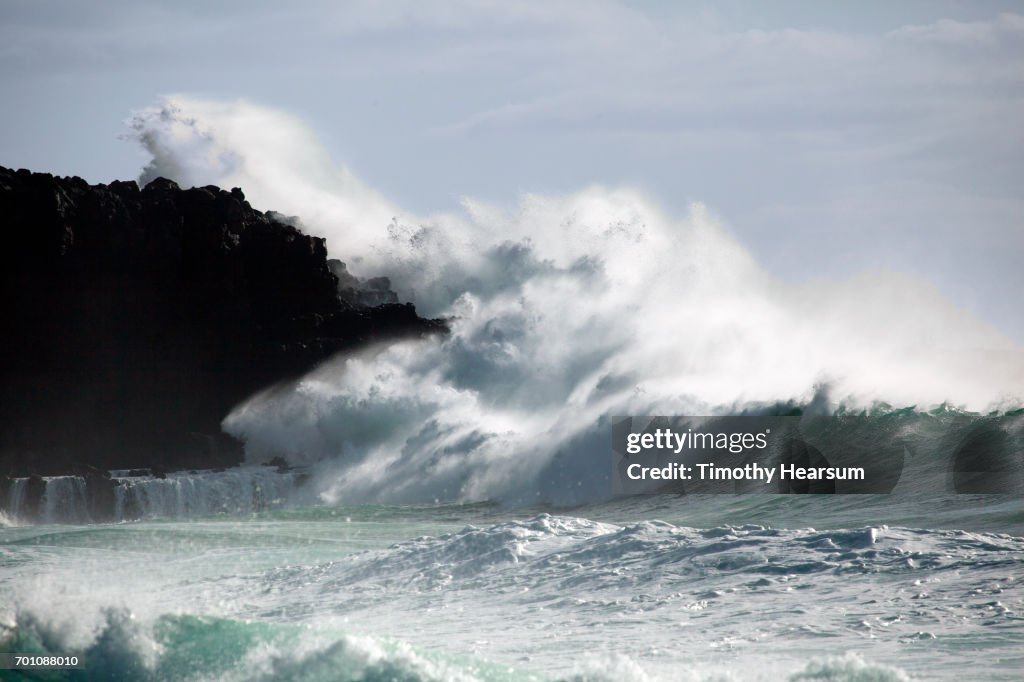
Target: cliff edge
{"x": 135, "y": 319}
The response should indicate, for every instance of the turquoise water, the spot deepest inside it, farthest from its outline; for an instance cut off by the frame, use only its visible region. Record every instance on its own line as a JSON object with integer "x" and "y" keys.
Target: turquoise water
{"x": 651, "y": 588}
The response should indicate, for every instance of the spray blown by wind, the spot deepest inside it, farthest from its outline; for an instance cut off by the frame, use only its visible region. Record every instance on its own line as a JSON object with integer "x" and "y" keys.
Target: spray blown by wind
{"x": 566, "y": 310}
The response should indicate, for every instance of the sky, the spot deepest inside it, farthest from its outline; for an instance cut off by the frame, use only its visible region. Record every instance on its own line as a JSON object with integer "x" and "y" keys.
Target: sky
{"x": 832, "y": 139}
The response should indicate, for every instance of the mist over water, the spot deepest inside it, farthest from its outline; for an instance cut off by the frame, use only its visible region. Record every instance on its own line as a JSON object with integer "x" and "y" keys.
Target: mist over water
{"x": 565, "y": 310}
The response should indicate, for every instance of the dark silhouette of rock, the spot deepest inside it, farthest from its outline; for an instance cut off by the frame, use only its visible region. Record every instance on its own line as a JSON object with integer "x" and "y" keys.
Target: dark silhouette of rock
{"x": 135, "y": 319}
{"x": 6, "y": 485}
{"x": 359, "y": 293}
{"x": 100, "y": 496}
{"x": 35, "y": 488}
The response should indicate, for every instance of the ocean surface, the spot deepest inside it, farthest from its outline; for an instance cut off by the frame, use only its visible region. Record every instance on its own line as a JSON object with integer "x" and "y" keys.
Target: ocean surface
{"x": 564, "y": 310}
{"x": 656, "y": 587}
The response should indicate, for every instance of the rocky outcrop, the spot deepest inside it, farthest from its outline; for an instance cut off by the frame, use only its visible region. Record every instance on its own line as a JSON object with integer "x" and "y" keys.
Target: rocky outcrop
{"x": 135, "y": 319}
{"x": 361, "y": 293}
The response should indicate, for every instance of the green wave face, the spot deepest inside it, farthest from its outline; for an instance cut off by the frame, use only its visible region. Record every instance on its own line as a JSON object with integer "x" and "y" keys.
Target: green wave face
{"x": 189, "y": 647}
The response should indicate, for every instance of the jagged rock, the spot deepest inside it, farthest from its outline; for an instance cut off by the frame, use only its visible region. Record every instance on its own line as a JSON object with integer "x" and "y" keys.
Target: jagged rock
{"x": 377, "y": 291}
{"x": 135, "y": 319}
{"x": 99, "y": 495}
{"x": 347, "y": 283}
{"x": 358, "y": 293}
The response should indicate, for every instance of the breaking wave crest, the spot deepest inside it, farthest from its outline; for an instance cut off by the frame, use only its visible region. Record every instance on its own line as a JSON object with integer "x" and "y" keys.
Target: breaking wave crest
{"x": 187, "y": 647}
{"x": 564, "y": 310}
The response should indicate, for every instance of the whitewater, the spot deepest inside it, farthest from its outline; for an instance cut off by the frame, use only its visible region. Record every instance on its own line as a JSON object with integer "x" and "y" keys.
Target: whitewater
{"x": 449, "y": 512}
{"x": 674, "y": 588}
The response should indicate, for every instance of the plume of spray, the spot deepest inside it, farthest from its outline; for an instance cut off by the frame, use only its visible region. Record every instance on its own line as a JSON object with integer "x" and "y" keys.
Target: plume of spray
{"x": 565, "y": 310}
{"x": 269, "y": 154}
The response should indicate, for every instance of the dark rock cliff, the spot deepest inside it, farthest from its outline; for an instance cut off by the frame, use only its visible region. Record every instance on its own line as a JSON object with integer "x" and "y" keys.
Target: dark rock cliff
{"x": 135, "y": 319}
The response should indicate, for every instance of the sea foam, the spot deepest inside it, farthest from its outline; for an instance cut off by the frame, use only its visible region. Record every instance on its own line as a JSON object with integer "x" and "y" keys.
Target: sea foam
{"x": 564, "y": 310}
